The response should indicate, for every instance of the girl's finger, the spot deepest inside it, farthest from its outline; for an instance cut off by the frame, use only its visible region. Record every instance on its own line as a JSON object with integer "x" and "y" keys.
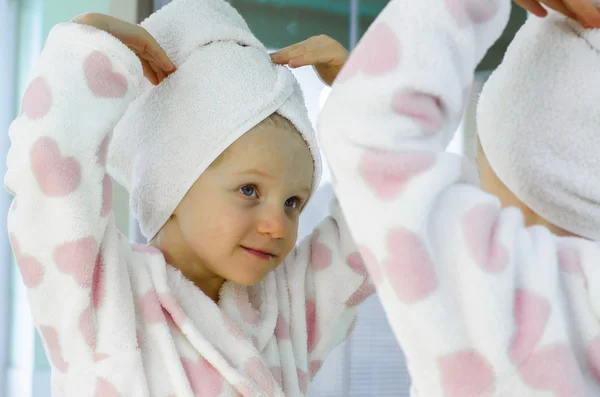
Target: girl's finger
{"x": 584, "y": 24}
{"x": 285, "y": 50}
{"x": 300, "y": 48}
{"x": 533, "y": 6}
{"x": 141, "y": 48}
{"x": 284, "y": 55}
{"x": 149, "y": 72}
{"x": 585, "y": 10}
{"x": 559, "y": 6}
{"x": 332, "y": 55}
{"x": 307, "y": 59}
{"x": 160, "y": 73}
{"x": 279, "y": 60}
{"x": 152, "y": 47}
{"x": 299, "y": 62}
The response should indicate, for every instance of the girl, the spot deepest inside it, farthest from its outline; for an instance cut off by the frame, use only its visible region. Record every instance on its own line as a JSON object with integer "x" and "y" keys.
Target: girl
{"x": 219, "y": 159}
{"x": 482, "y": 304}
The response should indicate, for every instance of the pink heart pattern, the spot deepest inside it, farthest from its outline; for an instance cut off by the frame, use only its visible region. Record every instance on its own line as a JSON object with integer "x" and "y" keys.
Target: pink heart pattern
{"x": 105, "y": 389}
{"x": 107, "y": 196}
{"x": 31, "y": 269}
{"x": 78, "y": 259}
{"x": 554, "y": 368}
{"x": 282, "y": 328}
{"x": 57, "y": 176}
{"x": 277, "y": 374}
{"x": 257, "y": 371}
{"x": 569, "y": 260}
{"x": 171, "y": 322}
{"x": 320, "y": 254}
{"x": 531, "y": 313}
{"x": 466, "y": 374}
{"x": 409, "y": 267}
{"x": 87, "y": 328}
{"x": 302, "y": 380}
{"x": 312, "y": 326}
{"x": 150, "y": 309}
{"x": 147, "y": 249}
{"x": 232, "y": 327}
{"x": 314, "y": 367}
{"x": 139, "y": 338}
{"x": 479, "y": 226}
{"x": 101, "y": 79}
{"x": 100, "y": 357}
{"x": 423, "y": 108}
{"x": 98, "y": 278}
{"x": 247, "y": 312}
{"x": 50, "y": 336}
{"x": 172, "y": 306}
{"x": 37, "y": 100}
{"x": 204, "y": 379}
{"x": 593, "y": 357}
{"x": 377, "y": 54}
{"x": 388, "y": 173}
{"x": 366, "y": 289}
{"x": 467, "y": 12}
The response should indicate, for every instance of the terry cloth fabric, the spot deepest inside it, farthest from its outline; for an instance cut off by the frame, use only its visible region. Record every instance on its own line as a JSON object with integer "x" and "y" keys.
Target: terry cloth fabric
{"x": 538, "y": 122}
{"x": 225, "y": 85}
{"x": 481, "y": 304}
{"x": 115, "y": 319}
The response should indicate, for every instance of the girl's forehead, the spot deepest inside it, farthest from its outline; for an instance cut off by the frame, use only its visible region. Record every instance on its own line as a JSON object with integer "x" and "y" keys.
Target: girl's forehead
{"x": 270, "y": 150}
{"x": 270, "y": 141}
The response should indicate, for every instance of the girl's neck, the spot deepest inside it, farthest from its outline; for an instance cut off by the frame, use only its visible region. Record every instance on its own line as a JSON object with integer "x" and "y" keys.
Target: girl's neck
{"x": 209, "y": 283}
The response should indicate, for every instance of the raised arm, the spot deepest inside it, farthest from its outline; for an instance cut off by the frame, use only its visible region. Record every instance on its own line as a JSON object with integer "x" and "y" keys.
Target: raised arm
{"x": 481, "y": 305}
{"x": 61, "y": 226}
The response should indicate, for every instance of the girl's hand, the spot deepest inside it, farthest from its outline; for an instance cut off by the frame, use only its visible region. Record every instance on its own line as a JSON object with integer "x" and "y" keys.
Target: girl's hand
{"x": 155, "y": 62}
{"x": 324, "y": 53}
{"x": 583, "y": 11}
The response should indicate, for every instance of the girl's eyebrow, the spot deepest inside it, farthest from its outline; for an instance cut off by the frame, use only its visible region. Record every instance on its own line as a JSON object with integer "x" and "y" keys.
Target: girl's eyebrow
{"x": 255, "y": 171}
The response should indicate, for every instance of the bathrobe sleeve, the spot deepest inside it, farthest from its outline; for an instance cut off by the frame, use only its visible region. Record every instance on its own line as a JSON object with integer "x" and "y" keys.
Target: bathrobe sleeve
{"x": 327, "y": 280}
{"x": 60, "y": 224}
{"x": 481, "y": 305}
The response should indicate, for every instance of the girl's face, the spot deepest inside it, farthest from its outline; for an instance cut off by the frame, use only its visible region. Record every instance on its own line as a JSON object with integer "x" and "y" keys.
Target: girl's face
{"x": 240, "y": 219}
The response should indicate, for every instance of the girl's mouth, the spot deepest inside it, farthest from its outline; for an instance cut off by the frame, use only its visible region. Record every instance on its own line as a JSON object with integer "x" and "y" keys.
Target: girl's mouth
{"x": 259, "y": 253}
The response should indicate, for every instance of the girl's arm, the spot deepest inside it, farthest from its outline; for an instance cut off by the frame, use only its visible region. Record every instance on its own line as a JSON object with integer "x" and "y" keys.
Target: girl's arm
{"x": 481, "y": 305}
{"x": 326, "y": 273}
{"x": 60, "y": 224}
{"x": 327, "y": 280}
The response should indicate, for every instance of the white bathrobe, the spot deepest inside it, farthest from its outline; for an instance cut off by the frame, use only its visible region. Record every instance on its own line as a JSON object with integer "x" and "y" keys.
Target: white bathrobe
{"x": 115, "y": 319}
{"x": 481, "y": 304}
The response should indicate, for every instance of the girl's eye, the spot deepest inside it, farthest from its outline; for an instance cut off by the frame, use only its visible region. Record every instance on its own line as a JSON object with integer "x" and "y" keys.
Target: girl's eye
{"x": 248, "y": 190}
{"x": 292, "y": 202}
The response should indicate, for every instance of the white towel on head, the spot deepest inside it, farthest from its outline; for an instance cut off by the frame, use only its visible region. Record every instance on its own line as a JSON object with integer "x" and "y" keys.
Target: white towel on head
{"x": 539, "y": 123}
{"x": 225, "y": 85}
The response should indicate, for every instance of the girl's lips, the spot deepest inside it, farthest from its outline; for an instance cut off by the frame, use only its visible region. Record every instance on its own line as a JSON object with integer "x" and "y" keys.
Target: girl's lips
{"x": 258, "y": 253}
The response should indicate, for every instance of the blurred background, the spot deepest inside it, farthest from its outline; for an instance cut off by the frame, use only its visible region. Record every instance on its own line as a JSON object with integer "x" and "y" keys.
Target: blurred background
{"x": 369, "y": 364}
